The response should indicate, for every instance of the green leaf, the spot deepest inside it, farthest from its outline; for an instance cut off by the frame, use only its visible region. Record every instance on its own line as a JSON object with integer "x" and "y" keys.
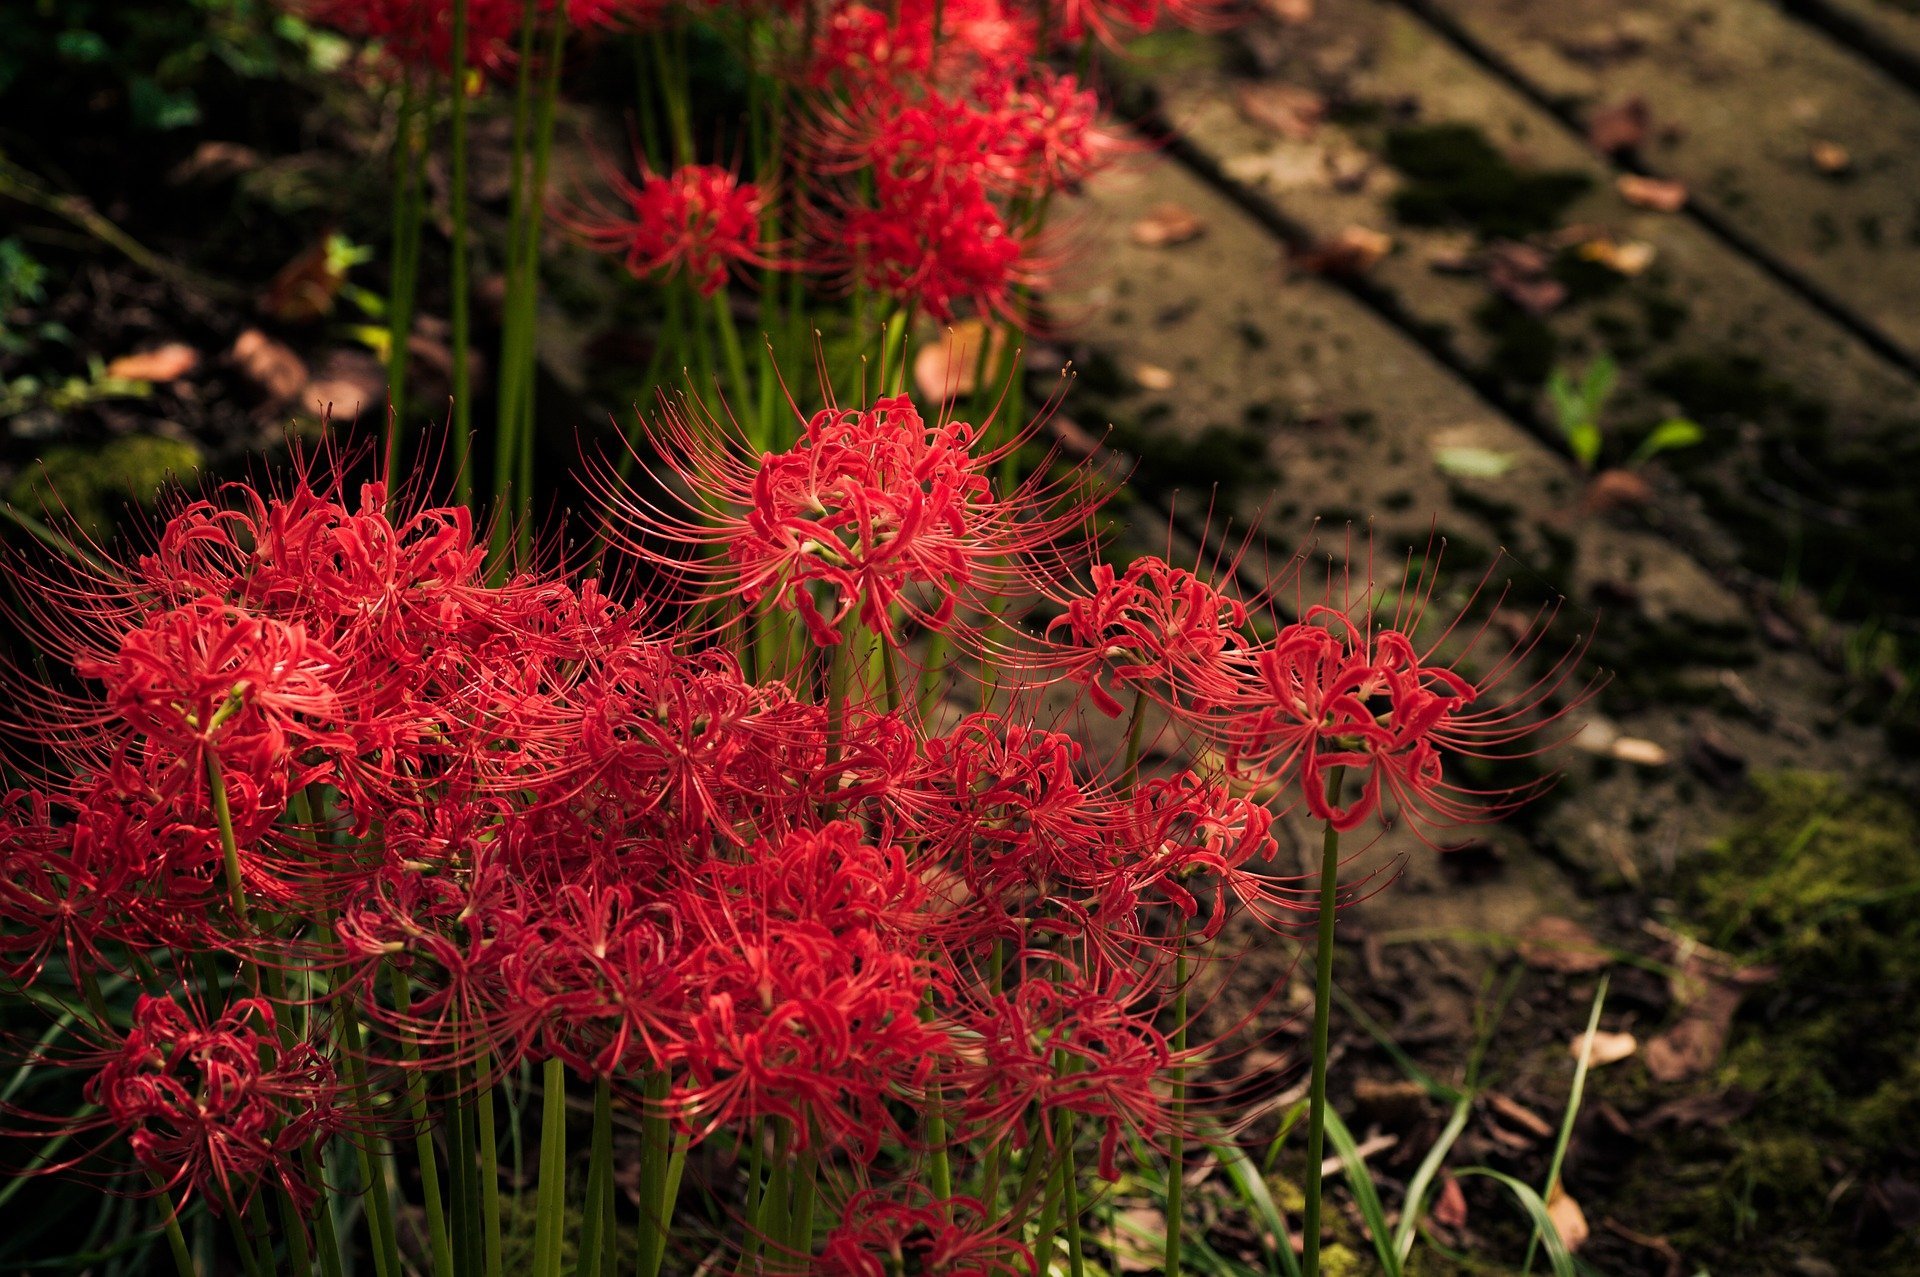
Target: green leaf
{"x": 1558, "y": 1256}
{"x": 1365, "y": 1195}
{"x": 1675, "y": 432}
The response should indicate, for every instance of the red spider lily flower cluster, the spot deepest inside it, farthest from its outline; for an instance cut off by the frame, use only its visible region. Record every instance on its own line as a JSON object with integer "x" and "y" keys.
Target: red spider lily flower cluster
{"x": 700, "y": 221}
{"x": 739, "y": 870}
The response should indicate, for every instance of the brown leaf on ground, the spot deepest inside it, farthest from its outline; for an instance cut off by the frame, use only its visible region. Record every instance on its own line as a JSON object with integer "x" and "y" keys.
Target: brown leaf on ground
{"x": 1658, "y": 194}
{"x": 1608, "y": 1048}
{"x": 1658, "y": 1245}
{"x": 1640, "y": 752}
{"x": 1286, "y": 109}
{"x": 163, "y": 363}
{"x": 1520, "y": 1115}
{"x": 1560, "y": 944}
{"x": 1153, "y": 377}
{"x": 1449, "y": 1209}
{"x": 1622, "y": 257}
{"x": 346, "y": 384}
{"x": 1354, "y": 251}
{"x": 1617, "y": 489}
{"x": 1620, "y": 126}
{"x": 1290, "y": 13}
{"x": 951, "y": 367}
{"x": 305, "y": 288}
{"x": 1167, "y": 224}
{"x": 1521, "y": 274}
{"x": 269, "y": 364}
{"x": 214, "y": 161}
{"x": 1709, "y": 987}
{"x": 1568, "y": 1219}
{"x": 1831, "y": 158}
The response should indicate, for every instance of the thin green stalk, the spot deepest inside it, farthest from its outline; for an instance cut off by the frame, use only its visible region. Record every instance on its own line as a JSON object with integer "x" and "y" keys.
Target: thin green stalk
{"x": 489, "y": 1175}
{"x": 371, "y": 1151}
{"x": 1176, "y": 1108}
{"x": 409, "y": 159}
{"x": 595, "y": 1223}
{"x": 176, "y": 1240}
{"x": 507, "y": 394}
{"x": 1322, "y": 1016}
{"x": 460, "y": 1200}
{"x": 439, "y": 1239}
{"x": 460, "y": 319}
{"x": 550, "y": 1211}
{"x": 1573, "y": 1110}
{"x": 529, "y": 298}
{"x": 295, "y": 1227}
{"x": 736, "y": 359}
{"x": 655, "y": 1129}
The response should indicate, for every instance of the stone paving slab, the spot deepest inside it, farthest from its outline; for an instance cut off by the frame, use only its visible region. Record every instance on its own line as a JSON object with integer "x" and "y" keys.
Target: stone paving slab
{"x": 1740, "y": 96}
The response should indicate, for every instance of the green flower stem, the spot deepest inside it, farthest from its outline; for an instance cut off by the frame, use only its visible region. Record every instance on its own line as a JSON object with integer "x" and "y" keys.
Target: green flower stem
{"x": 409, "y": 161}
{"x": 658, "y": 1185}
{"x": 176, "y": 1240}
{"x": 460, "y": 317}
{"x": 439, "y": 1238}
{"x": 1177, "y": 1111}
{"x": 489, "y": 1175}
{"x": 1322, "y": 1015}
{"x": 550, "y": 1212}
{"x": 595, "y": 1222}
{"x": 370, "y": 1152}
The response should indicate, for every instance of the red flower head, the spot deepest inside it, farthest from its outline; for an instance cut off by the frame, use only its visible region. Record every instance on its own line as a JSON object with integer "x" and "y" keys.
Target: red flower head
{"x": 879, "y": 1236}
{"x": 215, "y": 1105}
{"x": 873, "y": 509}
{"x": 804, "y": 985}
{"x": 419, "y": 33}
{"x": 1339, "y": 695}
{"x": 699, "y": 220}
{"x": 1154, "y": 629}
{"x": 1114, "y": 20}
{"x": 1113, "y": 1056}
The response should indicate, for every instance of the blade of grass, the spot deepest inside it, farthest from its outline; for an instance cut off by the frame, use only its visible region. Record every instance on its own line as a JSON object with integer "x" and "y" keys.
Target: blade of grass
{"x": 1536, "y": 1208}
{"x": 1573, "y": 1108}
{"x": 1365, "y": 1195}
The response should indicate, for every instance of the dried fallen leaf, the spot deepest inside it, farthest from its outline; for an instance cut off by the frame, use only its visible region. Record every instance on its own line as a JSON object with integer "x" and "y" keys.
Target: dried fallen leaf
{"x": 1641, "y": 753}
{"x": 1608, "y": 1048}
{"x": 1167, "y": 224}
{"x": 345, "y": 384}
{"x": 213, "y": 161}
{"x": 1290, "y": 13}
{"x": 1153, "y": 377}
{"x": 163, "y": 363}
{"x": 1552, "y": 943}
{"x": 1623, "y": 257}
{"x": 1521, "y": 274}
{"x": 1354, "y": 251}
{"x": 1286, "y": 109}
{"x": 1831, "y": 158}
{"x": 951, "y": 367}
{"x": 1617, "y": 490}
{"x": 1658, "y": 194}
{"x": 1620, "y": 126}
{"x": 1568, "y": 1219}
{"x": 1520, "y": 1115}
{"x": 269, "y": 364}
{"x": 305, "y": 288}
{"x": 1449, "y": 1209}
{"x": 1709, "y": 988}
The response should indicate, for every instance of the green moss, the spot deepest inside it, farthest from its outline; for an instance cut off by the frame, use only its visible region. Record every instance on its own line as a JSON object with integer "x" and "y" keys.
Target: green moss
{"x": 89, "y": 484}
{"x": 1820, "y": 879}
{"x": 1456, "y": 177}
{"x": 1525, "y": 348}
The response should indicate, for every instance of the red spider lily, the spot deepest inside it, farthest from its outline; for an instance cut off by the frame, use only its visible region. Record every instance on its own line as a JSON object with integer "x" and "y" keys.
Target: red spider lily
{"x": 1063, "y": 1044}
{"x": 1155, "y": 629}
{"x": 1050, "y": 137}
{"x": 213, "y": 1105}
{"x": 804, "y": 1004}
{"x": 1111, "y": 21}
{"x": 881, "y": 1236}
{"x": 700, "y": 220}
{"x": 863, "y": 46}
{"x": 419, "y": 33}
{"x": 1338, "y": 694}
{"x": 871, "y": 509}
